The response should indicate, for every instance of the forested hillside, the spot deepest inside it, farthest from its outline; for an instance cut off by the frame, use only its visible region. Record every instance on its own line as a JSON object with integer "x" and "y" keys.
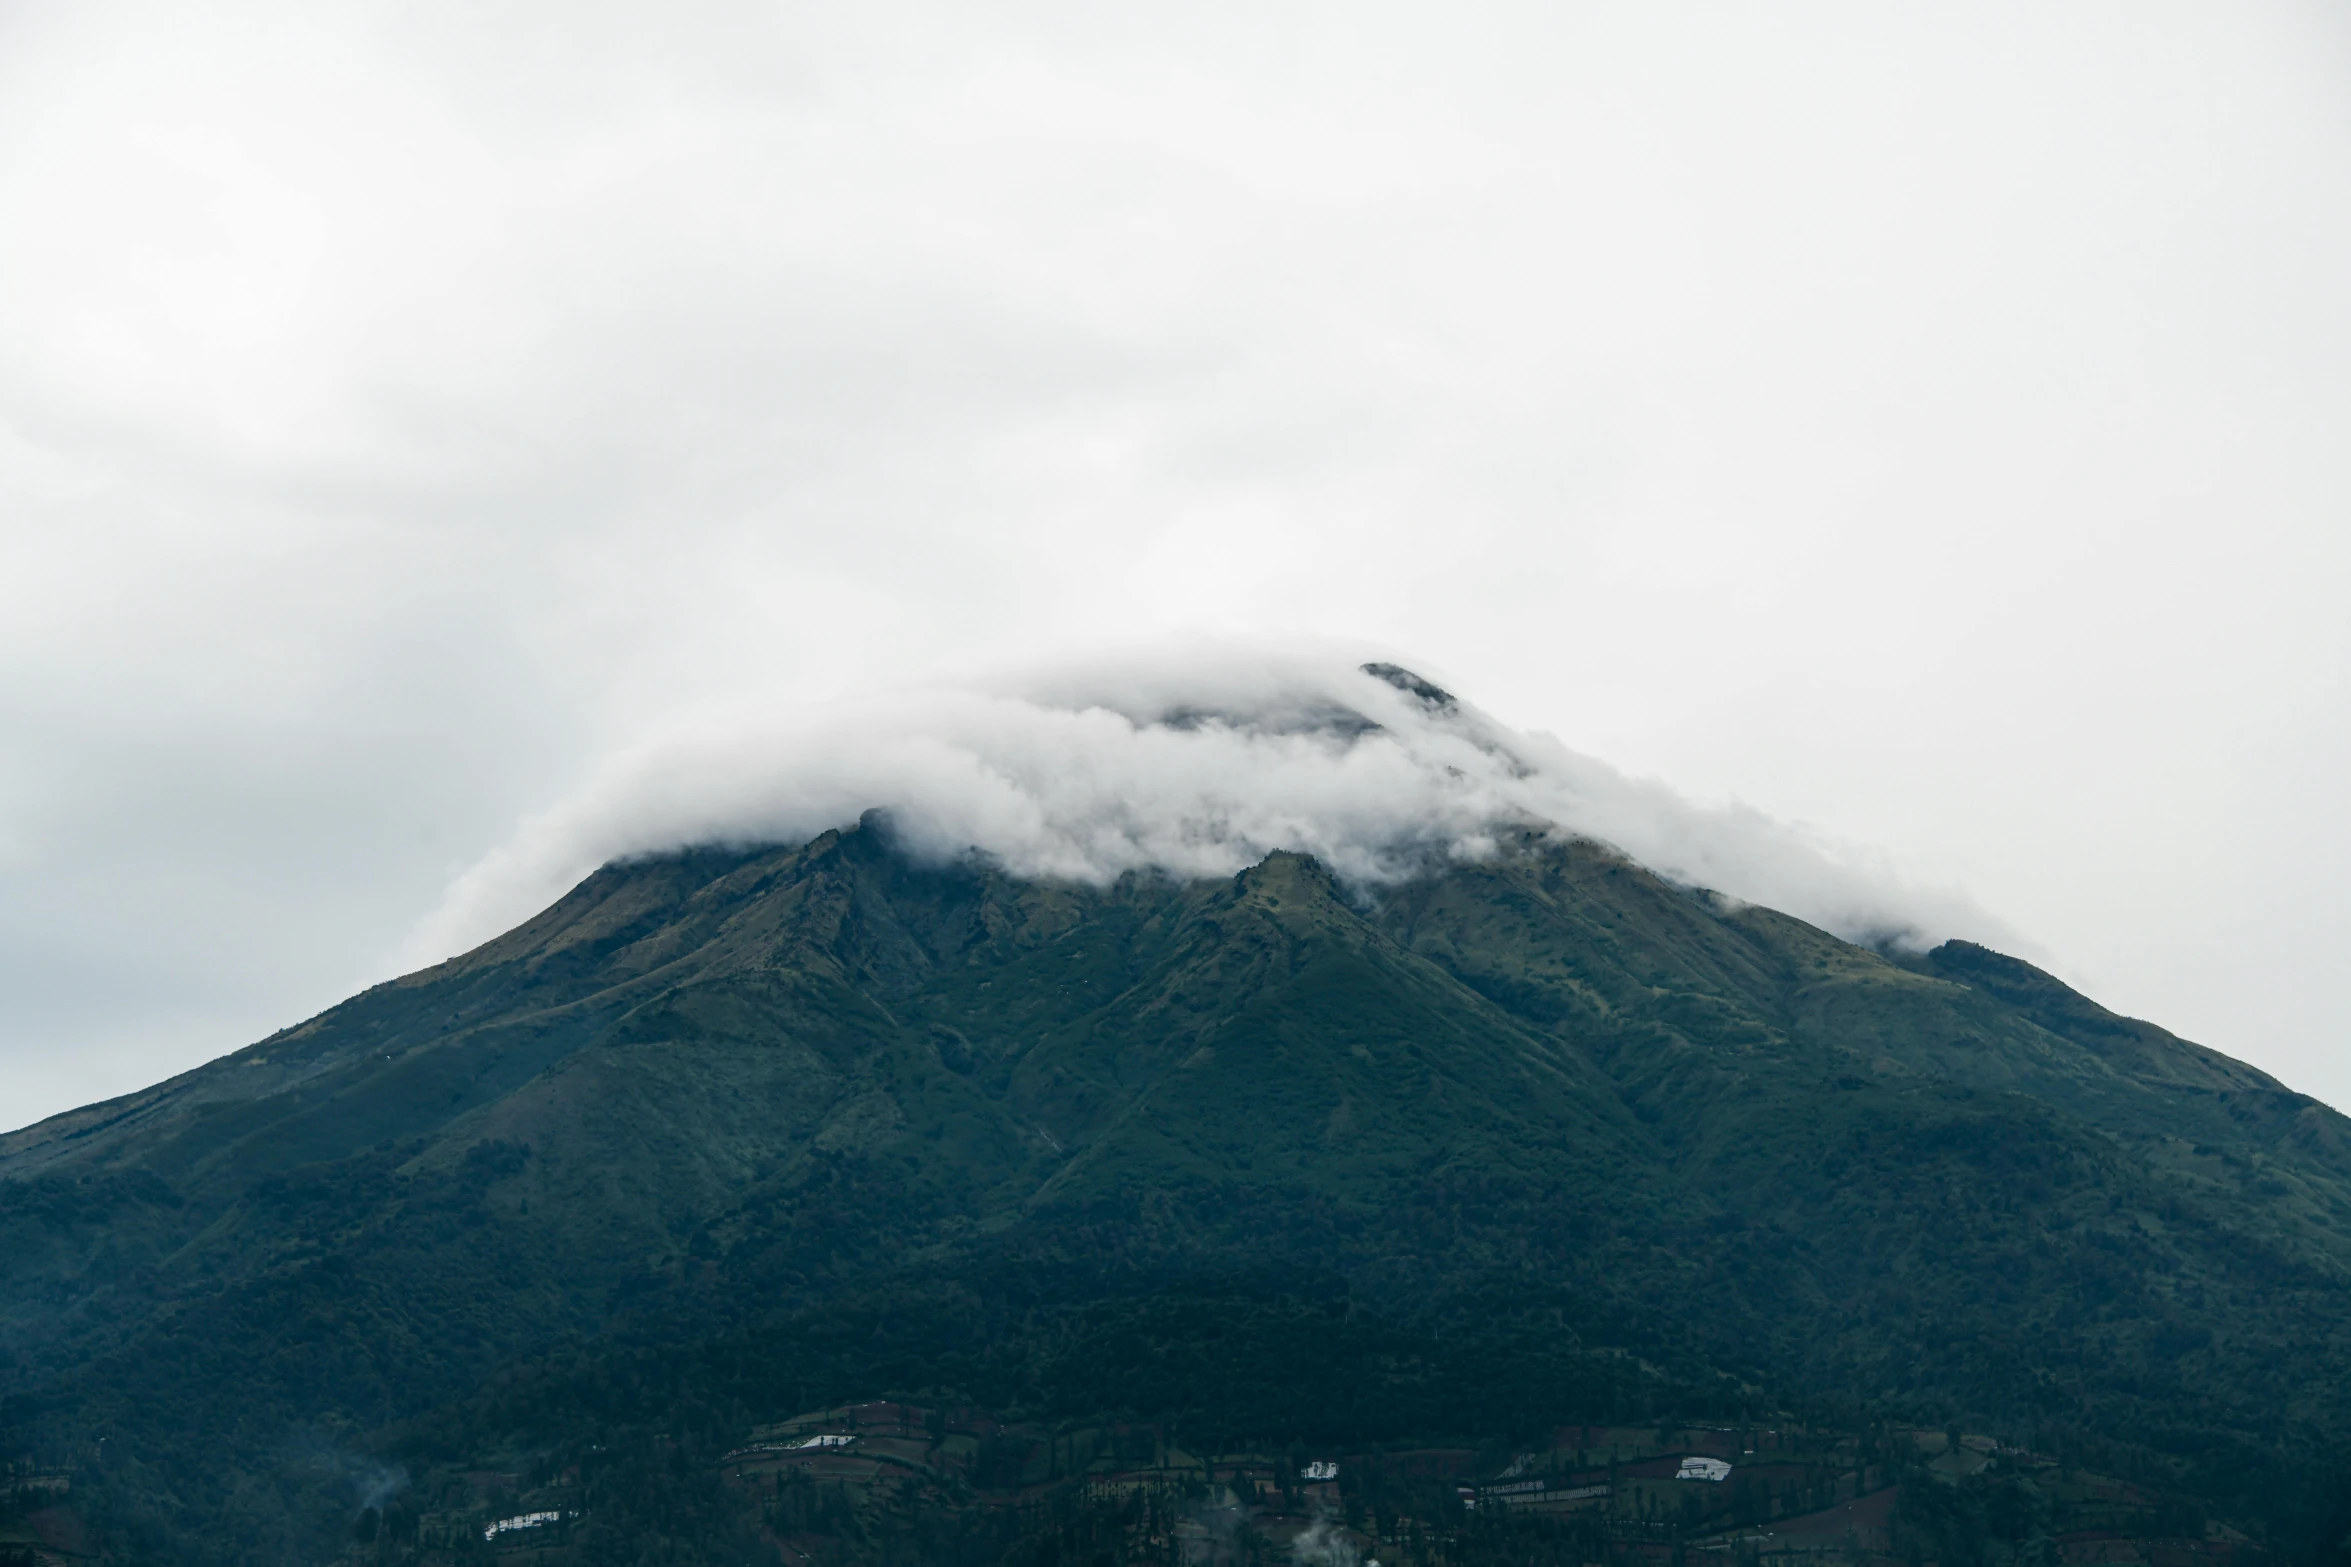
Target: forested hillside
{"x": 728, "y": 1135}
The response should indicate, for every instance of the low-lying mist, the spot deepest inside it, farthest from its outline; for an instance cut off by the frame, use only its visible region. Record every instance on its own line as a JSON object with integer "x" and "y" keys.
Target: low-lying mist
{"x": 1195, "y": 765}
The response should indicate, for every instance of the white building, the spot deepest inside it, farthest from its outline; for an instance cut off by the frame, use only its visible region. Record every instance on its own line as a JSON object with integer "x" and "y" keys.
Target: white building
{"x": 521, "y": 1521}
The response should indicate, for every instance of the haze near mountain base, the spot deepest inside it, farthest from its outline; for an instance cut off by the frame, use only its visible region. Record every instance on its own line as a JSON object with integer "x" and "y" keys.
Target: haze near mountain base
{"x": 1195, "y": 762}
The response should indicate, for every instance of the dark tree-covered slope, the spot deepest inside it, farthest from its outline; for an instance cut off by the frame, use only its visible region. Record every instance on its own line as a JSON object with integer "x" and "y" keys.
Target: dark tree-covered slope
{"x": 1272, "y": 1155}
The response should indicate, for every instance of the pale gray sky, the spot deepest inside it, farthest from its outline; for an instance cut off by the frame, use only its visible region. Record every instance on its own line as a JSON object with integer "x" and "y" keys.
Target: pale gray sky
{"x": 1928, "y": 425}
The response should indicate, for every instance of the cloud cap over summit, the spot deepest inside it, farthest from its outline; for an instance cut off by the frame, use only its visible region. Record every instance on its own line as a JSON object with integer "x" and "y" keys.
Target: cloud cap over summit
{"x": 1192, "y": 763}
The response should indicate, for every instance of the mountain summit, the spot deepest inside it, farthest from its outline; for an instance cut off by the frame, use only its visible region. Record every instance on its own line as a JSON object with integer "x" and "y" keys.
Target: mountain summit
{"x": 727, "y": 1134}
{"x": 1193, "y": 767}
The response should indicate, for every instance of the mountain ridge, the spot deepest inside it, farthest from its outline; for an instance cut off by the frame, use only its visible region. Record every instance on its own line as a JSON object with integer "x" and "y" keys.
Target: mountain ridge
{"x": 706, "y": 1096}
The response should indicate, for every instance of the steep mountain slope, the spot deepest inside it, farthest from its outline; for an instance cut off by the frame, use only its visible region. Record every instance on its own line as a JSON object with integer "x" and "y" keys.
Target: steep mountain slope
{"x": 1271, "y": 1155}
{"x": 2043, "y": 1192}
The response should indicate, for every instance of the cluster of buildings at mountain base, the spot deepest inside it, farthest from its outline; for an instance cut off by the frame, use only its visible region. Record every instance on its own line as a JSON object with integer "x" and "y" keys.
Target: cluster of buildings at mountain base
{"x": 862, "y": 1484}
{"x": 1633, "y": 1495}
{"x": 538, "y": 1520}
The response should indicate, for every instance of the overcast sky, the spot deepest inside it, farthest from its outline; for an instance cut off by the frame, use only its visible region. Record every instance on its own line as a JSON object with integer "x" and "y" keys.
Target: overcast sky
{"x": 1931, "y": 426}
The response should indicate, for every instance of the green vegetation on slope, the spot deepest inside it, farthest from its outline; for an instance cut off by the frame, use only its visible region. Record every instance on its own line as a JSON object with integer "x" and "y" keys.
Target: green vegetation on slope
{"x": 725, "y": 1135}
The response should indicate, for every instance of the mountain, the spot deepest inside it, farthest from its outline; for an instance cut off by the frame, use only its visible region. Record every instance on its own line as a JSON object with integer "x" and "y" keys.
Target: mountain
{"x": 728, "y": 1135}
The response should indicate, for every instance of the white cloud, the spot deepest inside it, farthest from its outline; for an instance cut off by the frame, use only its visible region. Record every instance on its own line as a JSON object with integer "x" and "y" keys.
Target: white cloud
{"x": 1922, "y": 423}
{"x": 1195, "y": 761}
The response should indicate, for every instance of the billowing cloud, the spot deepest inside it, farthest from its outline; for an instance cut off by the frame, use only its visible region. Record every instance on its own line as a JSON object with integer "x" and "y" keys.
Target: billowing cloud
{"x": 1919, "y": 421}
{"x": 1196, "y": 763}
